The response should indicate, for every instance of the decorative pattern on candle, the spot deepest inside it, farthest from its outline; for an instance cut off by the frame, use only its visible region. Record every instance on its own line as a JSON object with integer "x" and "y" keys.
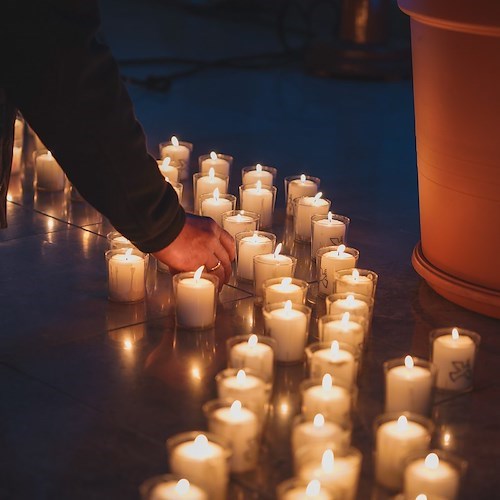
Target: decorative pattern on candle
{"x": 259, "y": 199}
{"x": 328, "y": 230}
{"x": 329, "y": 261}
{"x": 126, "y": 275}
{"x": 219, "y": 162}
{"x": 266, "y": 175}
{"x": 303, "y": 210}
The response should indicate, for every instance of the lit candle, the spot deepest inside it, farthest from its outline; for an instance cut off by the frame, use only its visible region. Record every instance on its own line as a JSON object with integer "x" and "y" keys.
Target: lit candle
{"x": 333, "y": 401}
{"x": 304, "y": 208}
{"x": 283, "y": 289}
{"x": 203, "y": 463}
{"x": 253, "y": 174}
{"x": 345, "y": 328}
{"x": 17, "y": 152}
{"x": 408, "y": 387}
{"x": 454, "y": 355}
{"x": 239, "y": 221}
{"x": 311, "y": 491}
{"x": 48, "y": 174}
{"x": 176, "y": 151}
{"x": 327, "y": 231}
{"x": 195, "y": 299}
{"x": 176, "y": 490}
{"x": 355, "y": 282}
{"x": 271, "y": 265}
{"x": 167, "y": 170}
{"x": 259, "y": 199}
{"x": 126, "y": 276}
{"x": 248, "y": 248}
{"x": 288, "y": 325}
{"x": 354, "y": 304}
{"x": 396, "y": 440}
{"x": 254, "y": 355}
{"x": 329, "y": 262}
{"x": 219, "y": 162}
{"x": 216, "y": 205}
{"x": 432, "y": 477}
{"x": 205, "y": 184}
{"x": 297, "y": 188}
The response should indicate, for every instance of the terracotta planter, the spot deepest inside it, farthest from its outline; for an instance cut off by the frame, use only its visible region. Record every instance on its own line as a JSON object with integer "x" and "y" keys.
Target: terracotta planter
{"x": 456, "y": 72}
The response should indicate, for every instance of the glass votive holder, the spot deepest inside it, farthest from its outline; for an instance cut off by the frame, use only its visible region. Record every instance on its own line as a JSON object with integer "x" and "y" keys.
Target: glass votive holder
{"x": 168, "y": 487}
{"x": 327, "y": 230}
{"x": 345, "y": 327}
{"x": 409, "y": 384}
{"x": 17, "y": 156}
{"x": 338, "y": 359}
{"x": 288, "y": 325}
{"x": 331, "y": 397}
{"x": 49, "y": 176}
{"x": 435, "y": 473}
{"x": 304, "y": 208}
{"x": 248, "y": 245}
{"x": 169, "y": 169}
{"x": 362, "y": 281}
{"x": 117, "y": 240}
{"x": 260, "y": 199}
{"x": 338, "y": 470}
{"x": 206, "y": 184}
{"x": 252, "y": 352}
{"x": 240, "y": 426}
{"x": 353, "y": 303}
{"x": 19, "y": 130}
{"x": 296, "y": 488}
{"x": 271, "y": 265}
{"x": 195, "y": 296}
{"x": 179, "y": 153}
{"x": 178, "y": 188}
{"x": 237, "y": 221}
{"x": 214, "y": 205}
{"x": 330, "y": 260}
{"x": 397, "y": 437}
{"x": 219, "y": 162}
{"x": 453, "y": 351}
{"x": 126, "y": 274}
{"x": 203, "y": 459}
{"x": 282, "y": 289}
{"x": 297, "y": 186}
{"x": 262, "y": 173}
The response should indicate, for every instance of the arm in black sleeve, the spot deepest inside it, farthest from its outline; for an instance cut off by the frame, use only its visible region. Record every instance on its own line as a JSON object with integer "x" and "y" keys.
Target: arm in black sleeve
{"x": 68, "y": 87}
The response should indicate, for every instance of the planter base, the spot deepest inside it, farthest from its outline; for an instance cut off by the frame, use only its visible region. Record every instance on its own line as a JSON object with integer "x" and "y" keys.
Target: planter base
{"x": 476, "y": 298}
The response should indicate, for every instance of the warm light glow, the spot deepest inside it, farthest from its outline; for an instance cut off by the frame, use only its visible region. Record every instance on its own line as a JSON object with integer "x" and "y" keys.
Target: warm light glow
{"x": 284, "y": 409}
{"x": 49, "y": 154}
{"x": 446, "y": 440}
{"x": 216, "y": 194}
{"x": 9, "y": 197}
{"x": 454, "y": 334}
{"x": 195, "y": 372}
{"x": 182, "y": 487}
{"x": 421, "y": 497}
{"x": 259, "y": 186}
{"x": 213, "y": 156}
{"x": 201, "y": 442}
{"x": 330, "y": 217}
{"x": 288, "y": 307}
{"x": 344, "y": 322}
{"x": 279, "y": 246}
{"x": 258, "y": 167}
{"x": 409, "y": 363}
{"x": 197, "y": 274}
{"x": 285, "y": 283}
{"x": 317, "y": 197}
{"x": 319, "y": 420}
{"x": 340, "y": 250}
{"x": 431, "y": 461}
{"x": 166, "y": 162}
{"x": 303, "y": 178}
{"x": 211, "y": 173}
{"x": 235, "y": 410}
{"x": 402, "y": 424}
{"x": 350, "y": 300}
{"x": 355, "y": 274}
{"x": 335, "y": 349}
{"x": 128, "y": 253}
{"x": 241, "y": 377}
{"x": 50, "y": 224}
{"x": 327, "y": 382}
{"x": 313, "y": 488}
{"x": 255, "y": 237}
{"x": 127, "y": 345}
{"x": 253, "y": 340}
{"x": 327, "y": 461}
{"x": 174, "y": 141}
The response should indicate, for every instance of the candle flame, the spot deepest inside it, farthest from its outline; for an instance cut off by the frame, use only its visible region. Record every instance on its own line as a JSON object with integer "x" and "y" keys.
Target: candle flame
{"x": 345, "y": 319}
{"x": 317, "y": 196}
{"x": 174, "y": 141}
{"x": 49, "y": 154}
{"x": 454, "y": 334}
{"x": 286, "y": 282}
{"x": 253, "y": 340}
{"x": 330, "y": 216}
{"x": 335, "y": 349}
{"x": 258, "y": 167}
{"x": 182, "y": 487}
{"x": 341, "y": 250}
{"x": 255, "y": 237}
{"x": 259, "y": 186}
{"x": 128, "y": 253}
{"x": 431, "y": 461}
{"x": 288, "y": 306}
{"x": 402, "y": 424}
{"x": 197, "y": 274}
{"x": 421, "y": 497}
{"x": 235, "y": 409}
{"x": 127, "y": 345}
{"x": 241, "y": 377}
{"x": 327, "y": 461}
{"x": 319, "y": 420}
{"x": 216, "y": 194}
{"x": 350, "y": 300}
{"x": 409, "y": 363}
{"x": 213, "y": 156}
{"x": 201, "y": 441}
{"x": 239, "y": 218}
{"x": 166, "y": 162}
{"x": 327, "y": 382}
{"x": 279, "y": 246}
{"x": 313, "y": 488}
{"x": 211, "y": 173}
{"x": 303, "y": 178}
{"x": 355, "y": 274}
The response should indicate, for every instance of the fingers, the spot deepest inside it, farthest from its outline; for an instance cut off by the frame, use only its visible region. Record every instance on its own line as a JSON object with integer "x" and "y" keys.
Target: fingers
{"x": 227, "y": 242}
{"x": 219, "y": 270}
{"x": 223, "y": 256}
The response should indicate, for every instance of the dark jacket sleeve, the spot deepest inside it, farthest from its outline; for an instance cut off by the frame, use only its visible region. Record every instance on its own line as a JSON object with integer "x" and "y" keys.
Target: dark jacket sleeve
{"x": 68, "y": 87}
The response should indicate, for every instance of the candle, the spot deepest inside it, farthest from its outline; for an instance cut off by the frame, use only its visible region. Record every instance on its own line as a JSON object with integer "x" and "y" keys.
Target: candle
{"x": 215, "y": 205}
{"x": 178, "y": 188}
{"x": 174, "y": 490}
{"x": 326, "y": 357}
{"x": 248, "y": 246}
{"x": 345, "y": 328}
{"x": 237, "y": 221}
{"x": 204, "y": 463}
{"x": 17, "y": 152}
{"x": 454, "y": 354}
{"x": 329, "y": 261}
{"x": 195, "y": 299}
{"x": 359, "y": 281}
{"x": 167, "y": 170}
{"x": 353, "y": 303}
{"x": 294, "y": 490}
{"x": 117, "y": 241}
{"x": 298, "y": 187}
{"x": 219, "y": 162}
{"x": 304, "y": 208}
{"x": 288, "y": 325}
{"x": 250, "y": 175}
{"x": 432, "y": 477}
{"x": 205, "y": 184}
{"x": 327, "y": 230}
{"x": 176, "y": 151}
{"x": 48, "y": 174}
{"x": 408, "y": 387}
{"x": 126, "y": 271}
{"x": 253, "y": 354}
{"x": 283, "y": 289}
{"x": 396, "y": 440}
{"x": 259, "y": 199}
{"x": 271, "y": 265}
{"x": 333, "y": 401}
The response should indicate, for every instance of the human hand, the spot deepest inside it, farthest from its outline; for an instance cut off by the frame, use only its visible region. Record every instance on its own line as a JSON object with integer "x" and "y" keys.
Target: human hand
{"x": 201, "y": 242}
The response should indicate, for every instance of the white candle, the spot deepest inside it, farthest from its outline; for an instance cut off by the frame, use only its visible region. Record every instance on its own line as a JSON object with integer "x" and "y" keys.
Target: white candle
{"x": 408, "y": 388}
{"x": 350, "y": 304}
{"x": 238, "y": 223}
{"x": 283, "y": 291}
{"x": 254, "y": 355}
{"x": 49, "y": 175}
{"x": 204, "y": 463}
{"x": 17, "y": 152}
{"x": 396, "y": 440}
{"x": 176, "y": 490}
{"x": 354, "y": 282}
{"x": 327, "y": 232}
{"x": 176, "y": 151}
{"x": 331, "y": 262}
{"x": 335, "y": 361}
{"x": 217, "y": 162}
{"x": 215, "y": 206}
{"x": 453, "y": 356}
{"x": 343, "y": 330}
{"x": 178, "y": 188}
{"x": 432, "y": 477}
{"x": 316, "y": 431}
{"x": 257, "y": 174}
{"x": 241, "y": 428}
{"x": 297, "y": 188}
{"x": 205, "y": 184}
{"x": 126, "y": 277}
{"x": 258, "y": 199}
{"x": 333, "y": 401}
{"x": 313, "y": 491}
{"x": 271, "y": 265}
{"x": 248, "y": 248}
{"x": 289, "y": 328}
{"x": 195, "y": 301}
{"x": 168, "y": 171}
{"x": 305, "y": 208}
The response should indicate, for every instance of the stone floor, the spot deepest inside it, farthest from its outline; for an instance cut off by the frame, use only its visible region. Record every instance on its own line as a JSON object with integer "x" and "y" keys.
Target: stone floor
{"x": 83, "y": 418}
